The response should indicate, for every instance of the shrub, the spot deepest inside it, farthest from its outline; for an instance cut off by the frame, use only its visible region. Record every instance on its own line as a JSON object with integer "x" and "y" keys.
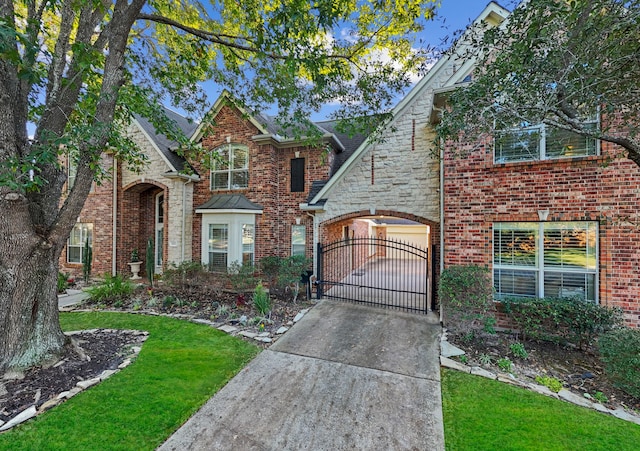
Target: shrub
{"x": 87, "y": 259}
{"x": 62, "y": 282}
{"x": 261, "y": 299}
{"x": 241, "y": 276}
{"x": 561, "y": 319}
{"x": 551, "y": 383}
{"x": 518, "y": 350}
{"x": 270, "y": 267}
{"x": 466, "y": 295}
{"x": 185, "y": 274}
{"x": 285, "y": 273}
{"x": 150, "y": 260}
{"x": 505, "y": 364}
{"x": 111, "y": 289}
{"x": 620, "y": 352}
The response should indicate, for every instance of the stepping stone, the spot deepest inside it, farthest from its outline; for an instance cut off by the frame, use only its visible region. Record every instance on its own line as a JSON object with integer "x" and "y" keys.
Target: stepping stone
{"x": 227, "y": 328}
{"x": 449, "y": 350}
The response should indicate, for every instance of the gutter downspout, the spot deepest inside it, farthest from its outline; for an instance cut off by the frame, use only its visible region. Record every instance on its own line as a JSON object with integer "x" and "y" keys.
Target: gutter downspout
{"x": 316, "y": 240}
{"x": 441, "y": 146}
{"x": 114, "y": 226}
{"x": 184, "y": 219}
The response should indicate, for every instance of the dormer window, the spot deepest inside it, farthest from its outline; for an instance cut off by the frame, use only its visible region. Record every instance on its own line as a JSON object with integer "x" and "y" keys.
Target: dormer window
{"x": 231, "y": 170}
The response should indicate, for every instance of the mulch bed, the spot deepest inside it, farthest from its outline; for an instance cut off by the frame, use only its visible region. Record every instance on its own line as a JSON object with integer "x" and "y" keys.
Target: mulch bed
{"x": 103, "y": 350}
{"x": 580, "y": 371}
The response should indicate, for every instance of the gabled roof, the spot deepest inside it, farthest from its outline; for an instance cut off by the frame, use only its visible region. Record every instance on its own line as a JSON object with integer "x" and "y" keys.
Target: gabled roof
{"x": 492, "y": 14}
{"x": 350, "y": 143}
{"x": 165, "y": 146}
{"x": 269, "y": 130}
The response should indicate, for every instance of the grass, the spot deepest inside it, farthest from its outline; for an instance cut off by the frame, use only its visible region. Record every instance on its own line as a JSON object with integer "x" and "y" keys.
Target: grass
{"x": 482, "y": 414}
{"x": 180, "y": 366}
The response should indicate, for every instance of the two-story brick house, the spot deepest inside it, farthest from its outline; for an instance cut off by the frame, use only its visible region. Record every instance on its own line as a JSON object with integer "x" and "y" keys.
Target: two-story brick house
{"x": 551, "y": 213}
{"x": 243, "y": 207}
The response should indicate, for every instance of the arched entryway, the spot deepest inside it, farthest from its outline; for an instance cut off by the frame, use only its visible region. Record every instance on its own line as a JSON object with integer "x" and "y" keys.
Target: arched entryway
{"x": 380, "y": 258}
{"x": 142, "y": 215}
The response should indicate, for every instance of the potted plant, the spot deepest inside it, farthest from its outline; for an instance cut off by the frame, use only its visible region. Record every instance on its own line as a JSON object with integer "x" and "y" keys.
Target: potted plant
{"x": 135, "y": 265}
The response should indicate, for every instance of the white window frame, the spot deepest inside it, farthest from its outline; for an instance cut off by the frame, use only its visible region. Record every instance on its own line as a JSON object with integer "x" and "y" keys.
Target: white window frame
{"x": 237, "y": 245}
{"x": 539, "y": 268}
{"x": 296, "y": 246}
{"x": 541, "y": 154}
{"x": 230, "y": 150}
{"x": 86, "y": 230}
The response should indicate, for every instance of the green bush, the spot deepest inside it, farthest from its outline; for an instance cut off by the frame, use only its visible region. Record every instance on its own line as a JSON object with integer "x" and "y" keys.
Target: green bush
{"x": 111, "y": 289}
{"x": 261, "y": 299}
{"x": 620, "y": 352}
{"x": 241, "y": 276}
{"x": 270, "y": 267}
{"x": 570, "y": 320}
{"x": 466, "y": 295}
{"x": 185, "y": 274}
{"x": 285, "y": 273}
{"x": 62, "y": 281}
{"x": 551, "y": 383}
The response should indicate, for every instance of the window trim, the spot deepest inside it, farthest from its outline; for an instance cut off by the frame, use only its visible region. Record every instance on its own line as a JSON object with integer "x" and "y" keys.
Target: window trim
{"x": 230, "y": 148}
{"x": 542, "y": 143}
{"x": 304, "y": 244}
{"x": 539, "y": 268}
{"x": 297, "y": 175}
{"x": 89, "y": 228}
{"x": 234, "y": 223}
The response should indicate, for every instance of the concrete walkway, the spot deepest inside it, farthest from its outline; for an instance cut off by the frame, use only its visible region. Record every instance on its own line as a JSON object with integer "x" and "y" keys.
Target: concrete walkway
{"x": 344, "y": 377}
{"x": 71, "y": 298}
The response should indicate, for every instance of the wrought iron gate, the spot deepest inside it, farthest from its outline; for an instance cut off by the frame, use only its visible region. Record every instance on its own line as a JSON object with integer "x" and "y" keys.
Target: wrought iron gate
{"x": 374, "y": 271}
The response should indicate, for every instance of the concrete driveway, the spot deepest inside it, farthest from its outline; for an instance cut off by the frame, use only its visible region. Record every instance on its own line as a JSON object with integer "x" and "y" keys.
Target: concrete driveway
{"x": 344, "y": 377}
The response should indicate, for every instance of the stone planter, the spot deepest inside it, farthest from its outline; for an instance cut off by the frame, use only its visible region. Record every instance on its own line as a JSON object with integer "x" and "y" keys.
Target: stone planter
{"x": 135, "y": 270}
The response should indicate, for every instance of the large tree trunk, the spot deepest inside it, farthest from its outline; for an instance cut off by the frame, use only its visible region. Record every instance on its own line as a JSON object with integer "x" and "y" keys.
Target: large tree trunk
{"x": 29, "y": 324}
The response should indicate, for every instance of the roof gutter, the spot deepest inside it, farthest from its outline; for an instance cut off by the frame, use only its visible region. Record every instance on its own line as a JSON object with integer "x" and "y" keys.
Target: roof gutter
{"x": 283, "y": 143}
{"x": 180, "y": 175}
{"x": 307, "y": 207}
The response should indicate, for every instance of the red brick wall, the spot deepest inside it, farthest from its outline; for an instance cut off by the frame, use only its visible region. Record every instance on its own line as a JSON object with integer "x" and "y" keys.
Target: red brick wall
{"x": 269, "y": 185}
{"x": 478, "y": 193}
{"x": 136, "y": 222}
{"x": 97, "y": 211}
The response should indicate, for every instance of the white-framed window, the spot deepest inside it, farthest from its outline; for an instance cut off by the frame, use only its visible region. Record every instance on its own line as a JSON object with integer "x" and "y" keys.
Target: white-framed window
{"x": 227, "y": 238}
{"x": 231, "y": 170}
{"x": 248, "y": 243}
{"x": 72, "y": 171}
{"x": 546, "y": 259}
{"x": 298, "y": 240}
{"x": 218, "y": 247}
{"x": 541, "y": 142}
{"x": 79, "y": 235}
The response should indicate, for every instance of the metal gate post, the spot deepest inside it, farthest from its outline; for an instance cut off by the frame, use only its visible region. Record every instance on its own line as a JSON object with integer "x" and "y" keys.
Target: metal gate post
{"x": 319, "y": 273}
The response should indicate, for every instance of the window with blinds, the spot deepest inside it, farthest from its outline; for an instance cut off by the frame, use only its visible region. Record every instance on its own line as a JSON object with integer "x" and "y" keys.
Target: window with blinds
{"x": 546, "y": 259}
{"x": 542, "y": 143}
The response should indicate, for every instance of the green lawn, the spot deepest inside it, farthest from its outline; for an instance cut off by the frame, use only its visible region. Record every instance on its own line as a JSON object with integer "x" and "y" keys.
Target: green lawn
{"x": 482, "y": 414}
{"x": 180, "y": 366}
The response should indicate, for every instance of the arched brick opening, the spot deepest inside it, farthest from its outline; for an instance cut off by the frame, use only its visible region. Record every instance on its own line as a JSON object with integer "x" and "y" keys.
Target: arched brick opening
{"x": 334, "y": 229}
{"x": 136, "y": 221}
